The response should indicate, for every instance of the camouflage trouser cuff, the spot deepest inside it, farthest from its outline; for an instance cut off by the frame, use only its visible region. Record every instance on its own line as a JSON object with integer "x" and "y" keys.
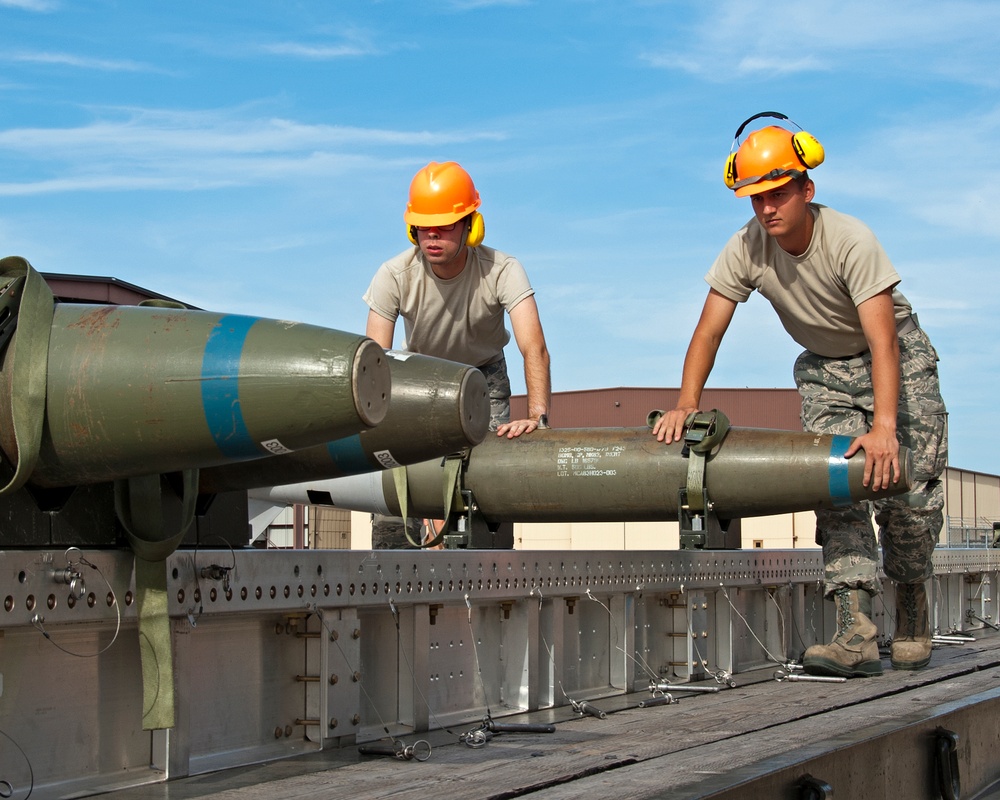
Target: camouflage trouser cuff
{"x": 851, "y": 573}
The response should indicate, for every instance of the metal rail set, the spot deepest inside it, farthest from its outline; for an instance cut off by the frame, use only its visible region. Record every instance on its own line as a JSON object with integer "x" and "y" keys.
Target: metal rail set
{"x": 281, "y": 653}
{"x": 144, "y": 427}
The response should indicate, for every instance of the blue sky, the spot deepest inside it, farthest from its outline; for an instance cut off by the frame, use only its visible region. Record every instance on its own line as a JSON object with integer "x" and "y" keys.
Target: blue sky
{"x": 254, "y": 157}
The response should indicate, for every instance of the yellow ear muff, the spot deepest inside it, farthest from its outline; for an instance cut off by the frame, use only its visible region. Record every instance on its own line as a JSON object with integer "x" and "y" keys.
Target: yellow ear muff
{"x": 411, "y": 234}
{"x": 808, "y": 149}
{"x": 477, "y": 230}
{"x": 729, "y": 176}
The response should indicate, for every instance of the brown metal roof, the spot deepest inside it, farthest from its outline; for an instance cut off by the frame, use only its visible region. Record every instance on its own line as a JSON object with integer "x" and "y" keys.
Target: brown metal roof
{"x": 96, "y": 289}
{"x": 626, "y": 406}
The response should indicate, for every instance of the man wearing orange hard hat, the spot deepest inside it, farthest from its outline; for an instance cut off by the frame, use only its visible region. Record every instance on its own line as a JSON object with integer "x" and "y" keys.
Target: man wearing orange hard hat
{"x": 452, "y": 292}
{"x": 868, "y": 374}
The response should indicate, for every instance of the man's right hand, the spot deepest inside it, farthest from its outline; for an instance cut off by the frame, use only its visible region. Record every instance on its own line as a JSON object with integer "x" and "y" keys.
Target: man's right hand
{"x": 670, "y": 427}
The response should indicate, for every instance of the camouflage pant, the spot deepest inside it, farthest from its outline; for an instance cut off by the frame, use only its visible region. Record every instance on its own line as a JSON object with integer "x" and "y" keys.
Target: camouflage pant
{"x": 388, "y": 532}
{"x": 837, "y": 398}
{"x": 499, "y": 386}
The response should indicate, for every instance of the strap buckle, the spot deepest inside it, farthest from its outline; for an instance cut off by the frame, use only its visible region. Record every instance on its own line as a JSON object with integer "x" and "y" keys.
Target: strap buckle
{"x": 705, "y": 429}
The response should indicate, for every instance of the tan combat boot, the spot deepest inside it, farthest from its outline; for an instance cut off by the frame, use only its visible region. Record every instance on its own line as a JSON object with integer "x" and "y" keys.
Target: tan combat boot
{"x": 853, "y": 651}
{"x": 911, "y": 646}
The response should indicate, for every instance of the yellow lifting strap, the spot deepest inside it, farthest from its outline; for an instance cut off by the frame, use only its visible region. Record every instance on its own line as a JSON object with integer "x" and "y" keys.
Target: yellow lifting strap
{"x": 703, "y": 432}
{"x": 155, "y": 650}
{"x": 452, "y": 467}
{"x": 139, "y": 506}
{"x": 26, "y": 310}
{"x": 451, "y": 474}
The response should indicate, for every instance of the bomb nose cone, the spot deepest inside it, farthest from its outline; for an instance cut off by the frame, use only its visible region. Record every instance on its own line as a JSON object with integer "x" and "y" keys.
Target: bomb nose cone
{"x": 372, "y": 382}
{"x": 847, "y": 475}
{"x": 438, "y": 407}
{"x": 475, "y": 406}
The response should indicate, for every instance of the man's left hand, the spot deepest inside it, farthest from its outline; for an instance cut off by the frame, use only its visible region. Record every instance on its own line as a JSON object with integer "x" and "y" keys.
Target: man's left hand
{"x": 516, "y": 427}
{"x": 881, "y": 457}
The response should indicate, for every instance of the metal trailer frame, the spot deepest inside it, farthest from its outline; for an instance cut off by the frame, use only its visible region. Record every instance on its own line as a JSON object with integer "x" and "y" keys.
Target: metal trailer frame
{"x": 279, "y": 653}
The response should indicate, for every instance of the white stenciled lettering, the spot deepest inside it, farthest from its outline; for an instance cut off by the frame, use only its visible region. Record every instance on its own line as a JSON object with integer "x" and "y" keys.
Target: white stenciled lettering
{"x": 584, "y": 461}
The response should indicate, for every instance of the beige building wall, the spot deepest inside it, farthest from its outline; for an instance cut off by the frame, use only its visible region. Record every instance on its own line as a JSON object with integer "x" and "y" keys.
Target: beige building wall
{"x": 361, "y": 530}
{"x": 972, "y": 505}
{"x": 330, "y": 528}
{"x": 773, "y": 532}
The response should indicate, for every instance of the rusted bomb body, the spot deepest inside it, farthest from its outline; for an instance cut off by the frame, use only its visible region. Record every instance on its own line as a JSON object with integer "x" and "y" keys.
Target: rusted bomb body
{"x": 137, "y": 390}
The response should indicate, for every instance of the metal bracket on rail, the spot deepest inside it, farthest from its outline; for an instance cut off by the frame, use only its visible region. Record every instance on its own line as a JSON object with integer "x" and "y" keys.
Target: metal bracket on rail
{"x": 469, "y": 529}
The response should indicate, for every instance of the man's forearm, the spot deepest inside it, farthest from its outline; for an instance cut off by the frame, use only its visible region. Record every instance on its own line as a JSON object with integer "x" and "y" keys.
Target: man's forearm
{"x": 885, "y": 387}
{"x": 538, "y": 380}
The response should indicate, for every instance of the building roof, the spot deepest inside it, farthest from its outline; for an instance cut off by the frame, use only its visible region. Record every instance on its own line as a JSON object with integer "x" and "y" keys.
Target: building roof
{"x": 97, "y": 289}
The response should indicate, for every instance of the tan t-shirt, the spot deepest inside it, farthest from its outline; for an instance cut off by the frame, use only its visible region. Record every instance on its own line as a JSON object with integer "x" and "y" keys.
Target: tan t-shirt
{"x": 461, "y": 319}
{"x": 815, "y": 295}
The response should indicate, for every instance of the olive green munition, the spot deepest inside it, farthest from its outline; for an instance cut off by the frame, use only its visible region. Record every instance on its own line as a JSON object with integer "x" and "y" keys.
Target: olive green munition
{"x": 139, "y": 390}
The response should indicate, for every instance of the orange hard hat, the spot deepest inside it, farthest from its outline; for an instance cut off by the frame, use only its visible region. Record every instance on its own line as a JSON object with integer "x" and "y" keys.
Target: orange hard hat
{"x": 769, "y": 158}
{"x": 440, "y": 194}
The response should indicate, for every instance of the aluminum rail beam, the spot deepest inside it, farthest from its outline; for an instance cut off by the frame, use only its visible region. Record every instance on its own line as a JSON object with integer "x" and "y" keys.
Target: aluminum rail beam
{"x": 281, "y": 653}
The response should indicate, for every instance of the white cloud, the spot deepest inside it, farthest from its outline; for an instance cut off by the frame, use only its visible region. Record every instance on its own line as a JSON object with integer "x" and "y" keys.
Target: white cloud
{"x": 321, "y": 43}
{"x": 944, "y": 171}
{"x": 190, "y": 150}
{"x": 736, "y": 38}
{"x": 29, "y": 5}
{"x": 316, "y": 52}
{"x": 157, "y": 131}
{"x": 83, "y": 62}
{"x": 468, "y": 5}
{"x": 776, "y": 66}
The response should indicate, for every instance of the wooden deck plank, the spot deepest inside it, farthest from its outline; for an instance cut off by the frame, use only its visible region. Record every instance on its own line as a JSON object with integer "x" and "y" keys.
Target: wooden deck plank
{"x": 635, "y": 753}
